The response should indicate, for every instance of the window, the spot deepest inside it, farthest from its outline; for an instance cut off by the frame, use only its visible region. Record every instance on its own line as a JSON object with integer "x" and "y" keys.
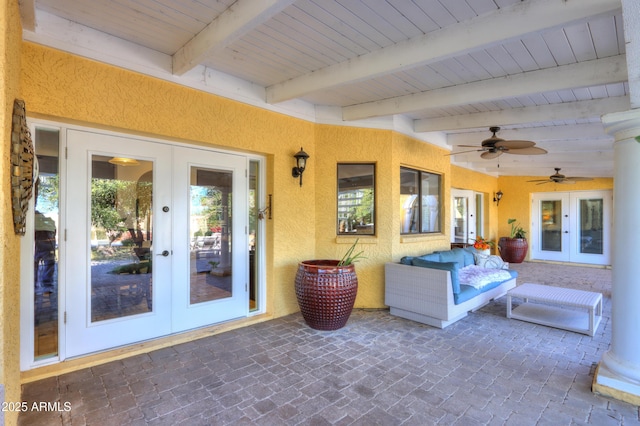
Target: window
{"x": 419, "y": 202}
{"x": 356, "y": 199}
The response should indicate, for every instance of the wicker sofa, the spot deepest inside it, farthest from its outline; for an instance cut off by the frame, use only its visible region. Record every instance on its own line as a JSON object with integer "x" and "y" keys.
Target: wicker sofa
{"x": 433, "y": 288}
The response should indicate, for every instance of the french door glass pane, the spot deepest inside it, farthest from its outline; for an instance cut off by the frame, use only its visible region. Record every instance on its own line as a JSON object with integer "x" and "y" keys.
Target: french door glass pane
{"x": 461, "y": 214}
{"x": 121, "y": 235}
{"x": 45, "y": 261}
{"x": 479, "y": 215}
{"x": 551, "y": 229}
{"x": 254, "y": 216}
{"x": 210, "y": 230}
{"x": 591, "y": 225}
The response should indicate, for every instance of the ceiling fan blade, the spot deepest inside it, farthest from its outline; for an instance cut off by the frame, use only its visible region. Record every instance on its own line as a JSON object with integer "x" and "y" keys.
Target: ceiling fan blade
{"x": 543, "y": 182}
{"x": 515, "y": 144}
{"x": 464, "y": 152}
{"x": 527, "y": 151}
{"x": 566, "y": 182}
{"x": 575, "y": 178}
{"x": 539, "y": 180}
{"x": 489, "y": 154}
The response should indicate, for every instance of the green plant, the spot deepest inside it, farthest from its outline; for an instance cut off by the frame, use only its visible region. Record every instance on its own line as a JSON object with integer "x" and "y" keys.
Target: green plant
{"x": 129, "y": 242}
{"x": 516, "y": 230}
{"x": 349, "y": 257}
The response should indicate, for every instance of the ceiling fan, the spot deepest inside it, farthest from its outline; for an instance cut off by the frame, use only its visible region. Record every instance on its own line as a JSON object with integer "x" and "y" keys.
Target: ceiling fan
{"x": 495, "y": 146}
{"x": 560, "y": 178}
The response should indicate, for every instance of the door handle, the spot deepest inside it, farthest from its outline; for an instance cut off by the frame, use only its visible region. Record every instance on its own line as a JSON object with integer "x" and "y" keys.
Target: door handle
{"x": 164, "y": 253}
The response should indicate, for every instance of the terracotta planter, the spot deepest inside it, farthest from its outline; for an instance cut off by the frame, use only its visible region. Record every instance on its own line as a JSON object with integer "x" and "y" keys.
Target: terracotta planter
{"x": 326, "y": 293}
{"x": 513, "y": 250}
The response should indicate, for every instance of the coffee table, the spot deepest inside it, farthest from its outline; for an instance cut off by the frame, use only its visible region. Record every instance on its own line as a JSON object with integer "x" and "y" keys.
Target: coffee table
{"x": 574, "y": 310}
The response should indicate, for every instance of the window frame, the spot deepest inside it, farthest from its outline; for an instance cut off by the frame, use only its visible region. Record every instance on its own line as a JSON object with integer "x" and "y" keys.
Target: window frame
{"x": 419, "y": 227}
{"x": 339, "y": 220}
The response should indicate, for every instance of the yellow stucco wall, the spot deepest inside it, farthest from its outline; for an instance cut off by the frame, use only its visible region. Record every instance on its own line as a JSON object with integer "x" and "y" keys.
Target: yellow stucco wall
{"x": 411, "y": 153}
{"x": 10, "y": 45}
{"x": 66, "y": 88}
{"x": 354, "y": 145}
{"x": 516, "y": 202}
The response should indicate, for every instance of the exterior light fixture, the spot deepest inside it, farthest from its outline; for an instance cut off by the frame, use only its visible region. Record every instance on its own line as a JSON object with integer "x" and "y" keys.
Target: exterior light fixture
{"x": 497, "y": 196}
{"x": 301, "y": 163}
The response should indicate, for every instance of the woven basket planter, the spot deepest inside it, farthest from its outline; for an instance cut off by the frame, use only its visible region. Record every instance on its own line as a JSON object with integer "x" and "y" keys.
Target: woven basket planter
{"x": 326, "y": 293}
{"x": 513, "y": 250}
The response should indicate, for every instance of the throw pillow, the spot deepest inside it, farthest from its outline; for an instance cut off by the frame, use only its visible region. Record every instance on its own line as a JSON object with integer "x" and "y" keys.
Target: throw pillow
{"x": 490, "y": 261}
{"x": 455, "y": 255}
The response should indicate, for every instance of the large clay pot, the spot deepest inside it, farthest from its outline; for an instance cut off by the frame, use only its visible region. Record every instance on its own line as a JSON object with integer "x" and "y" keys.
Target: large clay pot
{"x": 326, "y": 293}
{"x": 513, "y": 250}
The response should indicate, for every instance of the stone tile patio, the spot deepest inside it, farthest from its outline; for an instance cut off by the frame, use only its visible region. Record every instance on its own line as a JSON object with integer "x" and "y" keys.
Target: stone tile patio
{"x": 378, "y": 370}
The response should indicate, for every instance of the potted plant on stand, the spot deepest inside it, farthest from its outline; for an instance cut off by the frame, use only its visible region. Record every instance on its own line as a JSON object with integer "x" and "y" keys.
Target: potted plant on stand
{"x": 514, "y": 248}
{"x": 326, "y": 290}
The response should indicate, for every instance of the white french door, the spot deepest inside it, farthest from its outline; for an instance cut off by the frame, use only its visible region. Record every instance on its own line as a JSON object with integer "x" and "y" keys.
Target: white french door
{"x": 118, "y": 287}
{"x": 210, "y": 272}
{"x": 572, "y": 227}
{"x": 156, "y": 239}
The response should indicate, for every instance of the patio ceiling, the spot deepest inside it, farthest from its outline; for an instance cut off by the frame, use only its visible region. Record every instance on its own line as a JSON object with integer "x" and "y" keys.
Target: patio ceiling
{"x": 543, "y": 70}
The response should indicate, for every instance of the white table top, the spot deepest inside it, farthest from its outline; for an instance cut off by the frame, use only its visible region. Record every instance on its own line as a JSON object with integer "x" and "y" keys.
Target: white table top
{"x": 560, "y": 295}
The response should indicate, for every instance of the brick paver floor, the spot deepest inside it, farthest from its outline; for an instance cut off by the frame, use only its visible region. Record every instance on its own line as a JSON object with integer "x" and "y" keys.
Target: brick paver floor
{"x": 378, "y": 370}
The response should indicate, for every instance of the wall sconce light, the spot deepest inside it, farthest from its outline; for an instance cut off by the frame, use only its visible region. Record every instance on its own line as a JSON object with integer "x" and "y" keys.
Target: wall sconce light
{"x": 301, "y": 163}
{"x": 497, "y": 196}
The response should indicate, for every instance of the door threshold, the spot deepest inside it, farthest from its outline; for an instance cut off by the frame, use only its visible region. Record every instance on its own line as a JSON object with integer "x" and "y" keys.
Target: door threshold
{"x": 563, "y": 262}
{"x": 91, "y": 360}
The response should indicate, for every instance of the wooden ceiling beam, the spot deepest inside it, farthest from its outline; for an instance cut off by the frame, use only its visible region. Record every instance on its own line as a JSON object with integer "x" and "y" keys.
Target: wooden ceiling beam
{"x": 28, "y": 14}
{"x": 575, "y": 132}
{"x": 541, "y": 113}
{"x": 533, "y": 160}
{"x": 242, "y": 17}
{"x": 584, "y": 74}
{"x": 481, "y": 32}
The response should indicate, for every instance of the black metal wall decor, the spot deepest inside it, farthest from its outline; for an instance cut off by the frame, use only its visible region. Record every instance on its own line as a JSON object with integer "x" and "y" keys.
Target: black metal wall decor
{"x": 21, "y": 166}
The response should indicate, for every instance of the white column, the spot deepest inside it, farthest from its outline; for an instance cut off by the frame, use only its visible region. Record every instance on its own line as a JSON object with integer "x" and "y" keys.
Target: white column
{"x": 618, "y": 374}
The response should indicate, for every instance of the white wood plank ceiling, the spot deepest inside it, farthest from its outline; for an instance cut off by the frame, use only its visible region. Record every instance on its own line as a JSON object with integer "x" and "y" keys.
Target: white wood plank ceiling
{"x": 543, "y": 70}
